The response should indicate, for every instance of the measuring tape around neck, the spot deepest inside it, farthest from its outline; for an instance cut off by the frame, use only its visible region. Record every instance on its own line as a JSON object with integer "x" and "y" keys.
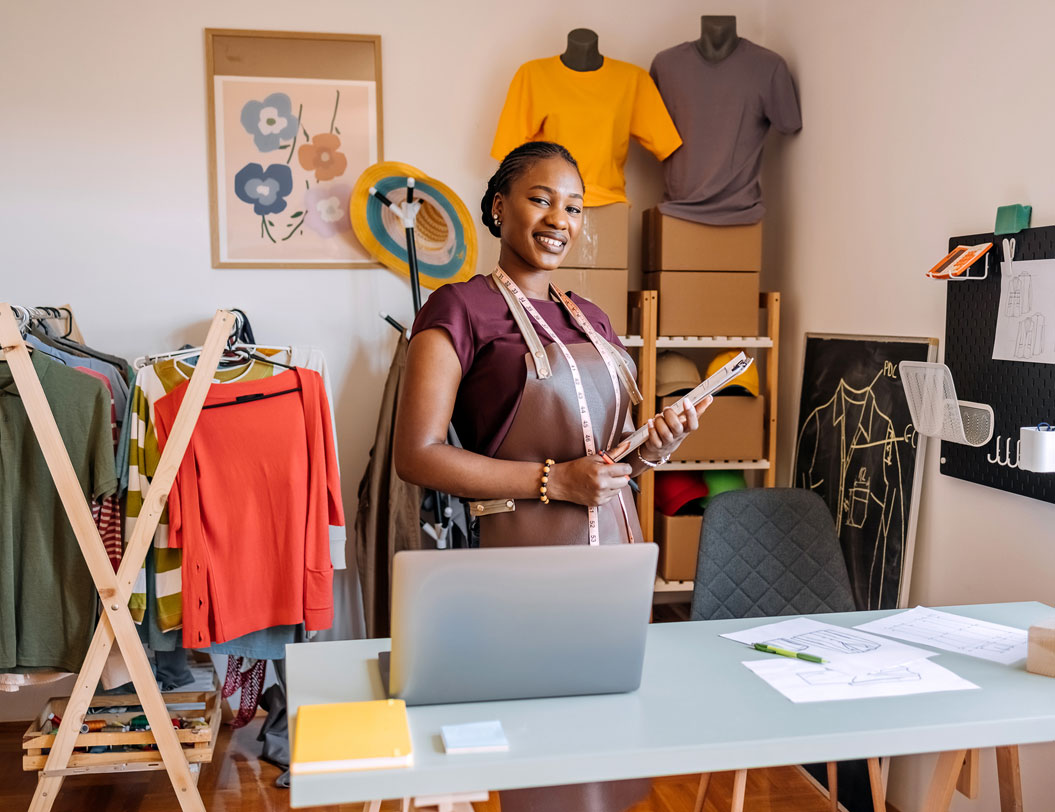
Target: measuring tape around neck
{"x": 588, "y": 435}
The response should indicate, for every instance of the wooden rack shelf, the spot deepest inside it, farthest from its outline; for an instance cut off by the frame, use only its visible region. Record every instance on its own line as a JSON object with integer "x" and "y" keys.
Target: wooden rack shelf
{"x": 718, "y": 465}
{"x": 198, "y": 743}
{"x": 717, "y": 342}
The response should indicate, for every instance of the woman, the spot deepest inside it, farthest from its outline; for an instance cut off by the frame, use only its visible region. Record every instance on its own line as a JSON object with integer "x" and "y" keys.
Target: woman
{"x": 535, "y": 389}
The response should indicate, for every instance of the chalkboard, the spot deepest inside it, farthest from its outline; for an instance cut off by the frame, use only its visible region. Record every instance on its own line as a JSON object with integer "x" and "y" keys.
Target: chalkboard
{"x": 1021, "y": 393}
{"x": 856, "y": 447}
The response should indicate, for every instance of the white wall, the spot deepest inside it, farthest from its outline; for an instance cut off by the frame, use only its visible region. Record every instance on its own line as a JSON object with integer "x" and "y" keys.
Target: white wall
{"x": 919, "y": 120}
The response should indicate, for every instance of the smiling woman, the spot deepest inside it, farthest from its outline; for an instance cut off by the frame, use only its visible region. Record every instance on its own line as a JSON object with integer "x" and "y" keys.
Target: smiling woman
{"x": 537, "y": 386}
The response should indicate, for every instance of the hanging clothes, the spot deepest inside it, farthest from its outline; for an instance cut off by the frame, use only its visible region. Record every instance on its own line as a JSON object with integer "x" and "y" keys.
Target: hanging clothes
{"x": 387, "y": 520}
{"x": 47, "y": 598}
{"x": 107, "y": 513}
{"x": 251, "y": 507}
{"x": 152, "y": 384}
{"x": 38, "y": 339}
{"x": 161, "y": 612}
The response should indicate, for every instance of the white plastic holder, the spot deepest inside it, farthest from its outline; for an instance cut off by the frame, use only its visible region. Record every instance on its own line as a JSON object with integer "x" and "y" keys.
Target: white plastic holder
{"x": 935, "y": 409}
{"x": 1037, "y": 448}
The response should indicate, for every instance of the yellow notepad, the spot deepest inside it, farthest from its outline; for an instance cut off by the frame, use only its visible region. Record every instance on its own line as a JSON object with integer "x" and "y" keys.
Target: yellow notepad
{"x": 351, "y": 736}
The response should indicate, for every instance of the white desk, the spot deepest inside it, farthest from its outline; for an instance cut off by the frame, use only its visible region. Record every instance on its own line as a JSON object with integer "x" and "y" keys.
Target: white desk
{"x": 698, "y": 710}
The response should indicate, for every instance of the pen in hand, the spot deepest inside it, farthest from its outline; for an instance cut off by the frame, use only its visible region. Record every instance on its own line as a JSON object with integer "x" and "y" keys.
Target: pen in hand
{"x": 783, "y": 652}
{"x": 633, "y": 485}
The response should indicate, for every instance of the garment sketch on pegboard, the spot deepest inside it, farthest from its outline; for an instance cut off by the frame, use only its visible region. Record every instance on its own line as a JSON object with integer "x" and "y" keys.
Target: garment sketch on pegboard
{"x": 1027, "y": 302}
{"x": 848, "y": 454}
{"x": 1019, "y": 295}
{"x": 1030, "y": 342}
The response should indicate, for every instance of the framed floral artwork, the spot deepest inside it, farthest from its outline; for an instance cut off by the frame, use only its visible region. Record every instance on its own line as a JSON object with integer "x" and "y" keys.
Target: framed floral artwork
{"x": 294, "y": 119}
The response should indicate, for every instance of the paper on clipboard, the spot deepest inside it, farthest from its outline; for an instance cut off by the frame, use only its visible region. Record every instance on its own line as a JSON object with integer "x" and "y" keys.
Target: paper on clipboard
{"x": 731, "y": 370}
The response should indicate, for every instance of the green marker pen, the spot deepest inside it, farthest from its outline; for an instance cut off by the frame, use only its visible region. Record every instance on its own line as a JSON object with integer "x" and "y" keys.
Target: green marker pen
{"x": 783, "y": 652}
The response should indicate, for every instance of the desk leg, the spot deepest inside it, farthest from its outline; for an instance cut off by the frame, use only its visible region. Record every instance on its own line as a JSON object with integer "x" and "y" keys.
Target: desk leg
{"x": 875, "y": 778}
{"x": 739, "y": 791}
{"x": 833, "y": 786}
{"x": 1010, "y": 776}
{"x": 943, "y": 781}
{"x": 701, "y": 793}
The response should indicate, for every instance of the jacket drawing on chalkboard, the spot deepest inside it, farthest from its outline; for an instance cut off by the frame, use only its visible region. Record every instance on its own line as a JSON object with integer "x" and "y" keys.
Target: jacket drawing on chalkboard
{"x": 848, "y": 454}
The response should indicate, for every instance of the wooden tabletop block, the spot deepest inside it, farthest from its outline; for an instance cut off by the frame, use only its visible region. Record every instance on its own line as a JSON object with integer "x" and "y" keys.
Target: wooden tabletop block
{"x": 1041, "y": 657}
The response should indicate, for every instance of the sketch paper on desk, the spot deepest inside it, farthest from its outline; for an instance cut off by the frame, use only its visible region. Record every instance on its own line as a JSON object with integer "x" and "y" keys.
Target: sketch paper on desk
{"x": 1025, "y": 323}
{"x": 805, "y": 682}
{"x": 846, "y": 650}
{"x": 962, "y": 635}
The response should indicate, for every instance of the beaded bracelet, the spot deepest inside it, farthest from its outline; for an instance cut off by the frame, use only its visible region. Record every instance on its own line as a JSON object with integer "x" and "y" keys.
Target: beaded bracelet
{"x": 661, "y": 461}
{"x": 545, "y": 478}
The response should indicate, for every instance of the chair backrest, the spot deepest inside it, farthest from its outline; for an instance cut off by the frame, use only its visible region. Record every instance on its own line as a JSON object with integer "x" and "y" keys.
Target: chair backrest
{"x": 769, "y": 551}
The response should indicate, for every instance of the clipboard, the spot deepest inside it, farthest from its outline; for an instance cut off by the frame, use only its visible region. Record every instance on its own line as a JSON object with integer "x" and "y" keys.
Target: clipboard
{"x": 719, "y": 379}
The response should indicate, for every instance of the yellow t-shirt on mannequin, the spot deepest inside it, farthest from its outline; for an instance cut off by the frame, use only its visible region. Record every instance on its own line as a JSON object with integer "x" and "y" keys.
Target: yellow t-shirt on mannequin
{"x": 592, "y": 113}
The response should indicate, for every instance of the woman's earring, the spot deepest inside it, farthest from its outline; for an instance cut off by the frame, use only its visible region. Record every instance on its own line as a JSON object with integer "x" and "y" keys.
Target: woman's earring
{"x": 497, "y": 219}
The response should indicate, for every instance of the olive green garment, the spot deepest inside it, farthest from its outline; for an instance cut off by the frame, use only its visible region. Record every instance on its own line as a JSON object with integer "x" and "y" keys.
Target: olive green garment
{"x": 47, "y": 598}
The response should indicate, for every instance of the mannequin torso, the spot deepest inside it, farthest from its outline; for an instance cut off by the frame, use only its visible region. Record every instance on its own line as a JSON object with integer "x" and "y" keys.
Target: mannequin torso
{"x": 582, "y": 53}
{"x": 718, "y": 37}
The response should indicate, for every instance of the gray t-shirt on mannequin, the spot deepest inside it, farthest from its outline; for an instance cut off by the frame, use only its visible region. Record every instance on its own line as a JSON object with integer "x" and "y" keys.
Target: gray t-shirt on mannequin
{"x": 723, "y": 111}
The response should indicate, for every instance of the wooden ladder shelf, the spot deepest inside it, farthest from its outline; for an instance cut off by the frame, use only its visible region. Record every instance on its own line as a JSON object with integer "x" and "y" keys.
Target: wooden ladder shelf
{"x": 115, "y": 624}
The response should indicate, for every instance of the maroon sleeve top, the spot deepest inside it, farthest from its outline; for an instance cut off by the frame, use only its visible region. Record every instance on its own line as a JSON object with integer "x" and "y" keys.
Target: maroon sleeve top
{"x": 491, "y": 351}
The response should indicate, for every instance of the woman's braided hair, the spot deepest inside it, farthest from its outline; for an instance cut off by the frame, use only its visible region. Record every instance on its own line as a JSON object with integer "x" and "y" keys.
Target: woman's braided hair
{"x": 512, "y": 167}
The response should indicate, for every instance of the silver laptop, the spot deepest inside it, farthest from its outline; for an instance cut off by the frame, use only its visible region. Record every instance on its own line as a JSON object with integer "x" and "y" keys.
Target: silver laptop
{"x": 518, "y": 622}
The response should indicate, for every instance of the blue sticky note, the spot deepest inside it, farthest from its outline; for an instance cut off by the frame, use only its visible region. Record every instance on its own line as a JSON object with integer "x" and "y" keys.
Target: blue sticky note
{"x": 475, "y": 737}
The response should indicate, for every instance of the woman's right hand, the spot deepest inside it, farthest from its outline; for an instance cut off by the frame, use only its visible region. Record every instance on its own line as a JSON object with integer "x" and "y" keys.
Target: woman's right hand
{"x": 588, "y": 481}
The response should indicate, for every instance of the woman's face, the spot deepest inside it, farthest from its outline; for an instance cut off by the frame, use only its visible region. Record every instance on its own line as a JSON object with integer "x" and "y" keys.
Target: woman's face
{"x": 542, "y": 213}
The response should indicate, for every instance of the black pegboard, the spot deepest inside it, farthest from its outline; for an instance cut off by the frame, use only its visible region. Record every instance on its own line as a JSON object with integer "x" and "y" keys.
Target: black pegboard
{"x": 1021, "y": 394}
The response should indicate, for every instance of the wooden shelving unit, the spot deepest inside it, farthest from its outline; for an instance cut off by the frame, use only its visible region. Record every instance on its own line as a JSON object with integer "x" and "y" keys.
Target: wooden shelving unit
{"x": 647, "y": 302}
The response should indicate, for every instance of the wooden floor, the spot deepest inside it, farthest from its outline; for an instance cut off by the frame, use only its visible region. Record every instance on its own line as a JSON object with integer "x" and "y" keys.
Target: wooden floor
{"x": 237, "y": 781}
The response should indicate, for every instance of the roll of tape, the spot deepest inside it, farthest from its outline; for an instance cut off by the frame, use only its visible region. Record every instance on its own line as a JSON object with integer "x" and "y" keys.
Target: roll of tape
{"x": 1037, "y": 451}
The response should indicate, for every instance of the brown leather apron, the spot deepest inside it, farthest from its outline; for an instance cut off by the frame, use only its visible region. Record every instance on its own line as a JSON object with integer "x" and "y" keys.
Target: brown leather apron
{"x": 547, "y": 424}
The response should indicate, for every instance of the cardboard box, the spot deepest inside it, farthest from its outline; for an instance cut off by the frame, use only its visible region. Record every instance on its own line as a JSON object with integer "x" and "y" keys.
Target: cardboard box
{"x": 707, "y": 303}
{"x": 602, "y": 243}
{"x": 673, "y": 244}
{"x": 732, "y": 428}
{"x": 605, "y": 287}
{"x": 678, "y": 538}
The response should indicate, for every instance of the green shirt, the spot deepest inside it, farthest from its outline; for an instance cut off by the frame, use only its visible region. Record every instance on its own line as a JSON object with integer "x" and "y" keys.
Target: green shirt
{"x": 47, "y": 598}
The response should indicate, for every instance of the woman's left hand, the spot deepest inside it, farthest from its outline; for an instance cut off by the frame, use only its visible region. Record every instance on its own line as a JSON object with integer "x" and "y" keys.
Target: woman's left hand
{"x": 667, "y": 430}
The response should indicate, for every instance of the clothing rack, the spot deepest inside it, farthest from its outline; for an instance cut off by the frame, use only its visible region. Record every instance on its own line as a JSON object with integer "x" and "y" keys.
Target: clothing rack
{"x": 115, "y": 623}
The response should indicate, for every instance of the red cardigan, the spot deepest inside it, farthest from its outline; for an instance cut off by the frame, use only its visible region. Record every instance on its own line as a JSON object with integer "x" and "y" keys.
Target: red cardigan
{"x": 251, "y": 506}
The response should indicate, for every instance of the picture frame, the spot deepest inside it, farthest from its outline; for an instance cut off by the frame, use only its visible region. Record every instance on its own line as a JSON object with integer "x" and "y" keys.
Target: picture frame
{"x": 293, "y": 119}
{"x": 856, "y": 447}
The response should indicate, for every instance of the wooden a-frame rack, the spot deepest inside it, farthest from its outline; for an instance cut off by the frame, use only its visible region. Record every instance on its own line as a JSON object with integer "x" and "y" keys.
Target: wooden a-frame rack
{"x": 115, "y": 623}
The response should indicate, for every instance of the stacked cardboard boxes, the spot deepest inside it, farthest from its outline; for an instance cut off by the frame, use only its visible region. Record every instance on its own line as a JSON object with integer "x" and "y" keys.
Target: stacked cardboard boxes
{"x": 596, "y": 265}
{"x": 707, "y": 276}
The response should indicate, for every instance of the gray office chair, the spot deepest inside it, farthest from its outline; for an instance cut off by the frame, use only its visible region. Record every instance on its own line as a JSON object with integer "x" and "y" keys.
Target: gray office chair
{"x": 766, "y": 552}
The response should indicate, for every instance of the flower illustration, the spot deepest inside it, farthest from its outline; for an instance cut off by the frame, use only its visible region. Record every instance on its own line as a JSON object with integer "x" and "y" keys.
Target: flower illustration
{"x": 321, "y": 155}
{"x": 265, "y": 189}
{"x": 326, "y": 208}
{"x": 270, "y": 121}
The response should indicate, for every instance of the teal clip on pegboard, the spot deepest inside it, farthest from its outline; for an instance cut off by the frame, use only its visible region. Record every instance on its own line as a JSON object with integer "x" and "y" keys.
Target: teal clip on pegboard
{"x": 1012, "y": 219}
